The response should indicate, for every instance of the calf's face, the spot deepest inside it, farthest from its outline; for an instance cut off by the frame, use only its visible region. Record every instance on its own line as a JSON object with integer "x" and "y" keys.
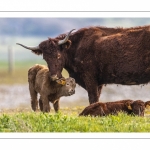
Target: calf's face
{"x": 68, "y": 86}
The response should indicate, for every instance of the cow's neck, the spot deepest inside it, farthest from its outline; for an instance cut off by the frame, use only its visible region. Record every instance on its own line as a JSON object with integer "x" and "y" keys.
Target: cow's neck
{"x": 70, "y": 56}
{"x": 69, "y": 61}
{"x": 73, "y": 70}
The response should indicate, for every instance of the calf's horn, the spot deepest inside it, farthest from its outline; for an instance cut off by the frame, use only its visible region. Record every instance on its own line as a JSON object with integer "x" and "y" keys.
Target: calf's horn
{"x": 65, "y": 39}
{"x": 29, "y": 47}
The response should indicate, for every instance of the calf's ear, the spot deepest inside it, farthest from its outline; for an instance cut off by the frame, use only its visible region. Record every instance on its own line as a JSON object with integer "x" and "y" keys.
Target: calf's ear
{"x": 128, "y": 104}
{"x": 147, "y": 106}
{"x": 61, "y": 81}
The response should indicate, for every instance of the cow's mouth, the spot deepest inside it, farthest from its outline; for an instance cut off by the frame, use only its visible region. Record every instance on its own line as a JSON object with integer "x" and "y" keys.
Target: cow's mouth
{"x": 54, "y": 77}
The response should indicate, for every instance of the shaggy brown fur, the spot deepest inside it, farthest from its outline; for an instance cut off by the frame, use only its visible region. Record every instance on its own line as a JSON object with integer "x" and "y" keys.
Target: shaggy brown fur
{"x": 50, "y": 91}
{"x": 103, "y": 109}
{"x": 99, "y": 55}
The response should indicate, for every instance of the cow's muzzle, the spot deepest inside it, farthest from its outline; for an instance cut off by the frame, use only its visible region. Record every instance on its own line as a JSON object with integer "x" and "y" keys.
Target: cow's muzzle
{"x": 54, "y": 77}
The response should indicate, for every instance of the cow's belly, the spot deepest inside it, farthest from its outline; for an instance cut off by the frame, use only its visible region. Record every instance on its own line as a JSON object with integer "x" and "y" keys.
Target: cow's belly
{"x": 127, "y": 78}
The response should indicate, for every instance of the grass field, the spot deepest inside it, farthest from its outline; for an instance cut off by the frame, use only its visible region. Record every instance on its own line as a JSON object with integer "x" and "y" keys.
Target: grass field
{"x": 68, "y": 121}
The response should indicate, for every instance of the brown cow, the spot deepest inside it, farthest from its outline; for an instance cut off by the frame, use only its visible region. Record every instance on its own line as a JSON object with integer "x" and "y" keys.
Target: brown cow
{"x": 103, "y": 109}
{"x": 50, "y": 91}
{"x": 96, "y": 56}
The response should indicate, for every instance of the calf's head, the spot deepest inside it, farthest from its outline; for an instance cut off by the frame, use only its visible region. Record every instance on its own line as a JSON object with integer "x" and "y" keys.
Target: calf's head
{"x": 137, "y": 107}
{"x": 147, "y": 104}
{"x": 68, "y": 86}
{"x": 52, "y": 50}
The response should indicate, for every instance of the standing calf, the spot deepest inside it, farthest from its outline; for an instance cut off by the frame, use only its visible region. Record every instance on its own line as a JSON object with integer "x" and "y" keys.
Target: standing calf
{"x": 103, "y": 109}
{"x": 50, "y": 91}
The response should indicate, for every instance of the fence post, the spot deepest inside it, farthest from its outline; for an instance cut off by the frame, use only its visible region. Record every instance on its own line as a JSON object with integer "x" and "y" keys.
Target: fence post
{"x": 10, "y": 60}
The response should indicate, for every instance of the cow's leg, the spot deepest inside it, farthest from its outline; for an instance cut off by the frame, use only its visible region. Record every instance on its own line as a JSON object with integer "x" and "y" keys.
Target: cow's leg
{"x": 41, "y": 104}
{"x": 94, "y": 94}
{"x": 46, "y": 105}
{"x": 56, "y": 105}
{"x": 33, "y": 94}
{"x": 99, "y": 89}
{"x": 94, "y": 91}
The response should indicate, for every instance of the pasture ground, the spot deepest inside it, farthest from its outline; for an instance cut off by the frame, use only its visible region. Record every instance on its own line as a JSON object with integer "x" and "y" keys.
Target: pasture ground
{"x": 67, "y": 120}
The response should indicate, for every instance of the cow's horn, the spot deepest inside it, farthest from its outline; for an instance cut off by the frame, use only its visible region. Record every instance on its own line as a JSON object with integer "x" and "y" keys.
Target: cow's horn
{"x": 29, "y": 47}
{"x": 65, "y": 39}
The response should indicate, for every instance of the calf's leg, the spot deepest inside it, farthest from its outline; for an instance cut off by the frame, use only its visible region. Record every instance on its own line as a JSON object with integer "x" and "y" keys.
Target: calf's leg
{"x": 33, "y": 94}
{"x": 56, "y": 105}
{"x": 41, "y": 104}
{"x": 46, "y": 105}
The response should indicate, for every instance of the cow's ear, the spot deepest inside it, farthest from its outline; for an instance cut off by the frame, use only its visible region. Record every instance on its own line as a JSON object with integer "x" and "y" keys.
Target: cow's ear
{"x": 128, "y": 104}
{"x": 61, "y": 81}
{"x": 66, "y": 45}
{"x": 38, "y": 52}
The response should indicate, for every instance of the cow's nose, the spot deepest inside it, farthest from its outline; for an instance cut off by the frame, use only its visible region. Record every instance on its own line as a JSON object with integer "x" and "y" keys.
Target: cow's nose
{"x": 73, "y": 79}
{"x": 54, "y": 77}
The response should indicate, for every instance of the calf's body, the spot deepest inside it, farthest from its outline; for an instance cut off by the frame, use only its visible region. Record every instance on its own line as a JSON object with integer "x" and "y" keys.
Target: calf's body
{"x": 50, "y": 91}
{"x": 103, "y": 109}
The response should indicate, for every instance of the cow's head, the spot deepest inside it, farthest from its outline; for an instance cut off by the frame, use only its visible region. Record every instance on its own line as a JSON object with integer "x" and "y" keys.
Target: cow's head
{"x": 137, "y": 107}
{"x": 52, "y": 50}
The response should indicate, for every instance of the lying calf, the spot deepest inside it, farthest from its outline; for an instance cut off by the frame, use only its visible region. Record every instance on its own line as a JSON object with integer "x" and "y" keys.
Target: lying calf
{"x": 103, "y": 109}
{"x": 50, "y": 91}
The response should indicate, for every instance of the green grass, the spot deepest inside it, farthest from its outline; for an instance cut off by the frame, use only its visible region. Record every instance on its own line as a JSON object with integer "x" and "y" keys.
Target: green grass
{"x": 68, "y": 121}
